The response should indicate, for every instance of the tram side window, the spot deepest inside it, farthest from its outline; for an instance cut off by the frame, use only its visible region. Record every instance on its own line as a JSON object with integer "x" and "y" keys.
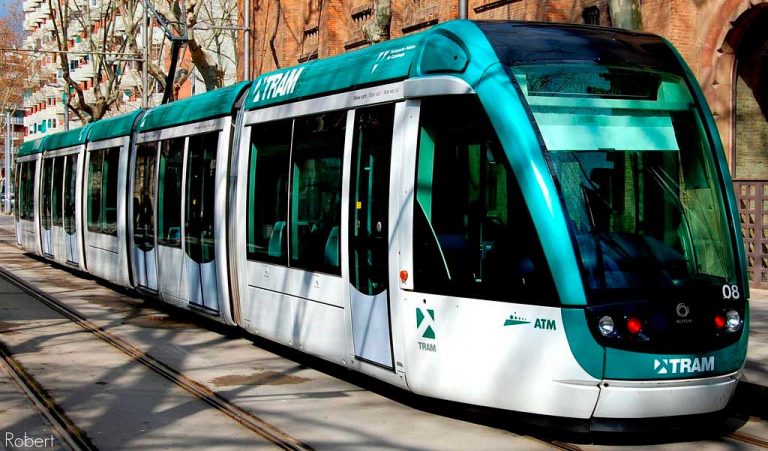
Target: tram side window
{"x": 268, "y": 192}
{"x": 70, "y": 186}
{"x": 102, "y": 190}
{"x": 27, "y": 191}
{"x": 169, "y": 192}
{"x": 16, "y": 184}
{"x": 45, "y": 193}
{"x": 473, "y": 234}
{"x": 57, "y": 197}
{"x": 318, "y": 147}
{"x": 95, "y": 182}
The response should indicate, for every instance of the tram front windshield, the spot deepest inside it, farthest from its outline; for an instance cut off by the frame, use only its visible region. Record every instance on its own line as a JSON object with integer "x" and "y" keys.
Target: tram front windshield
{"x": 637, "y": 175}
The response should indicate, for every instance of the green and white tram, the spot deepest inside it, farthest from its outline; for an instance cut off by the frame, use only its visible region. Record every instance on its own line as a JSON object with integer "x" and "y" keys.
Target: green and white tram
{"x": 524, "y": 216}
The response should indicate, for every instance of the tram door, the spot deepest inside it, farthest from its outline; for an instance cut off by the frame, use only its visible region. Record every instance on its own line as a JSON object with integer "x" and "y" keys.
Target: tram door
{"x": 368, "y": 234}
{"x": 144, "y": 252}
{"x": 70, "y": 220}
{"x": 46, "y": 197}
{"x": 199, "y": 237}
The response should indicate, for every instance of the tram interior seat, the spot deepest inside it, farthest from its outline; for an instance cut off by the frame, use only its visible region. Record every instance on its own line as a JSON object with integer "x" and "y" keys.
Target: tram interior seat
{"x": 278, "y": 240}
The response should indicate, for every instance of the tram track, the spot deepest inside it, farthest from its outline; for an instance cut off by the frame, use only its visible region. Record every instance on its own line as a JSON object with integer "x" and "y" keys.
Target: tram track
{"x": 66, "y": 430}
{"x": 748, "y": 439}
{"x": 243, "y": 417}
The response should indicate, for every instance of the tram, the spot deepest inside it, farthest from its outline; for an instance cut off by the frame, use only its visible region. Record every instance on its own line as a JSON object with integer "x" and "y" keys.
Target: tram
{"x": 524, "y": 216}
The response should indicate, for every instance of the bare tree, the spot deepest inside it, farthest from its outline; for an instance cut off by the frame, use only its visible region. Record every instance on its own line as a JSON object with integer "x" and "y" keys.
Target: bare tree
{"x": 377, "y": 29}
{"x": 103, "y": 42}
{"x": 17, "y": 69}
{"x": 626, "y": 14}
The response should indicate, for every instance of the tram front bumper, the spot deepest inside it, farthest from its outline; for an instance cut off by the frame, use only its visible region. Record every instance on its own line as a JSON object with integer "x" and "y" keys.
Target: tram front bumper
{"x": 664, "y": 398}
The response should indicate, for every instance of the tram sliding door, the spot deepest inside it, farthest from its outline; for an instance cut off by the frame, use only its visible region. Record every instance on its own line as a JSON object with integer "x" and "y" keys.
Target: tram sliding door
{"x": 46, "y": 188}
{"x": 368, "y": 234}
{"x": 57, "y": 209}
{"x": 144, "y": 253}
{"x": 199, "y": 237}
{"x": 70, "y": 208}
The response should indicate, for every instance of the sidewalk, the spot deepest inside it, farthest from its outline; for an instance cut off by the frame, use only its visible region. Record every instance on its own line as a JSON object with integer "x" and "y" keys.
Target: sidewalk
{"x": 756, "y": 368}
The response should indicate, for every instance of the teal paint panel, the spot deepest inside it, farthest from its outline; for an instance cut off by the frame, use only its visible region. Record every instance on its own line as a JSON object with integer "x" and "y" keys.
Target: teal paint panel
{"x": 383, "y": 62}
{"x": 68, "y": 138}
{"x": 587, "y": 352}
{"x": 520, "y": 142}
{"x": 31, "y": 147}
{"x": 209, "y": 105}
{"x": 628, "y": 365}
{"x": 113, "y": 127}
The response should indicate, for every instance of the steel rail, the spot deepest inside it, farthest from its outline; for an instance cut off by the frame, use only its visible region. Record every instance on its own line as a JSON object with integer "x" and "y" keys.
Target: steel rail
{"x": 748, "y": 438}
{"x": 66, "y": 430}
{"x": 245, "y": 418}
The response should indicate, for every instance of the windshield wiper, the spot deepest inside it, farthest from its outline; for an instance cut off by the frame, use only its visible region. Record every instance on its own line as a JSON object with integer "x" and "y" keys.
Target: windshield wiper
{"x": 667, "y": 189}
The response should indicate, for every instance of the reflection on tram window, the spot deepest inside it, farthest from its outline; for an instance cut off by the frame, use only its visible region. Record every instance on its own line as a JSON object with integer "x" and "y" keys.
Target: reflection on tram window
{"x": 473, "y": 233}
{"x": 102, "y": 190}
{"x": 268, "y": 191}
{"x": 143, "y": 196}
{"x": 199, "y": 236}
{"x": 70, "y": 188}
{"x": 27, "y": 191}
{"x": 45, "y": 196}
{"x": 56, "y": 192}
{"x": 369, "y": 198}
{"x": 169, "y": 192}
{"x": 318, "y": 146}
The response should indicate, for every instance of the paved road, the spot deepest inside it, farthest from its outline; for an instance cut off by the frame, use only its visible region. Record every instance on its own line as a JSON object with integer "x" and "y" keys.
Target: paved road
{"x": 122, "y": 406}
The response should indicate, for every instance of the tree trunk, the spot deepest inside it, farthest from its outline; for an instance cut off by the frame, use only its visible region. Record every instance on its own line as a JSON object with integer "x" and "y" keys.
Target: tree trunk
{"x": 377, "y": 30}
{"x": 626, "y": 14}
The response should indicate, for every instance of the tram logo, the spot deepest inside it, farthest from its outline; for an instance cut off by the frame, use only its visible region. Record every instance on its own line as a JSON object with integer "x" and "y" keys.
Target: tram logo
{"x": 678, "y": 366}
{"x": 277, "y": 85}
{"x": 425, "y": 319}
{"x": 515, "y": 320}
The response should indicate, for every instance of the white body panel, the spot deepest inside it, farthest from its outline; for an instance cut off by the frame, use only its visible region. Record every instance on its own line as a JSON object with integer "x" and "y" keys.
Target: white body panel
{"x": 172, "y": 280}
{"x": 28, "y": 236}
{"x": 103, "y": 253}
{"x": 476, "y": 359}
{"x": 647, "y": 399}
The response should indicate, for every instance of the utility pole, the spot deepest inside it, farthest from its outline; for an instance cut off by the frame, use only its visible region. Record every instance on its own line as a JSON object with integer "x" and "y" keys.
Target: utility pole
{"x": 145, "y": 37}
{"x": 8, "y": 151}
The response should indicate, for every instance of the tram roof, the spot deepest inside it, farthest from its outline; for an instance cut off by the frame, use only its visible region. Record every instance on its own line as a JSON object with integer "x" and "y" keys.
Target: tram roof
{"x": 31, "y": 147}
{"x": 463, "y": 48}
{"x": 209, "y": 105}
{"x": 113, "y": 127}
{"x": 67, "y": 138}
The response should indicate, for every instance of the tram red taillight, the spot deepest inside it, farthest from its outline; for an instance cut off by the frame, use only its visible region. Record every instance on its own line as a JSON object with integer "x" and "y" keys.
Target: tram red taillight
{"x": 634, "y": 325}
{"x": 719, "y": 321}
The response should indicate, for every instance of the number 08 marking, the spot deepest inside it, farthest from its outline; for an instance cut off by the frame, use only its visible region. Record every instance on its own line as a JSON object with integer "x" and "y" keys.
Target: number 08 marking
{"x": 731, "y": 292}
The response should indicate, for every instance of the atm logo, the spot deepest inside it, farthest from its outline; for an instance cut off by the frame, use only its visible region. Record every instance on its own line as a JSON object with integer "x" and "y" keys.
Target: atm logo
{"x": 679, "y": 366}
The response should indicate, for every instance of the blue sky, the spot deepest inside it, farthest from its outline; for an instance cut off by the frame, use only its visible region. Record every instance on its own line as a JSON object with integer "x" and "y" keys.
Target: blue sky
{"x": 4, "y": 4}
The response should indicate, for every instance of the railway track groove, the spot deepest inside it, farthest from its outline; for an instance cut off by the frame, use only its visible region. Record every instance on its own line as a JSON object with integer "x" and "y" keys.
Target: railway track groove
{"x": 67, "y": 431}
{"x": 245, "y": 418}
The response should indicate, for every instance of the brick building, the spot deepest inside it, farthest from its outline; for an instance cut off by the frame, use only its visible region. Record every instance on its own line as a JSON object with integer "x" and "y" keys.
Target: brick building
{"x": 725, "y": 42}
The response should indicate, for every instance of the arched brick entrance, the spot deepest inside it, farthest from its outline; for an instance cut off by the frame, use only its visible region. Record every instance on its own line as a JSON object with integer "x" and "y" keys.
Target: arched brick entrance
{"x": 737, "y": 89}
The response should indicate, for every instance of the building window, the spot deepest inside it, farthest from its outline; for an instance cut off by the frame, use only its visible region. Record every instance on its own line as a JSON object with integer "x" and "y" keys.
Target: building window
{"x": 591, "y": 15}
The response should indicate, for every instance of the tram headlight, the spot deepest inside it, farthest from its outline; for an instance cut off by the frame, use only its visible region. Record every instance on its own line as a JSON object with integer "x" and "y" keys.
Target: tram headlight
{"x": 732, "y": 320}
{"x": 606, "y": 325}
